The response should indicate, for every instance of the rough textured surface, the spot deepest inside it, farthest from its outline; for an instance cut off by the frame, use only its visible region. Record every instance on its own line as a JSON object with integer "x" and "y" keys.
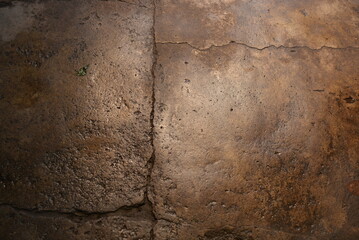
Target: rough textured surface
{"x": 264, "y": 139}
{"x": 190, "y": 123}
{"x": 129, "y": 224}
{"x": 70, "y": 142}
{"x": 259, "y": 23}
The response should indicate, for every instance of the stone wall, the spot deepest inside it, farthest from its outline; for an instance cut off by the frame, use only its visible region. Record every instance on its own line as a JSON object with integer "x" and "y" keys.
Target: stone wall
{"x": 166, "y": 119}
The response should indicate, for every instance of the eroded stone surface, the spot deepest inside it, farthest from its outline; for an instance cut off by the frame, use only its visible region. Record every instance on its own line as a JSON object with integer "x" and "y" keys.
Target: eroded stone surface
{"x": 134, "y": 224}
{"x": 250, "y": 145}
{"x": 71, "y": 142}
{"x": 249, "y": 139}
{"x": 259, "y": 23}
{"x": 167, "y": 230}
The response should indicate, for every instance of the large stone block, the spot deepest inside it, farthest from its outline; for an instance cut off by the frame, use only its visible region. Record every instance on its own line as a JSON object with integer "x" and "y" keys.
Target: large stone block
{"x": 256, "y": 140}
{"x": 71, "y": 142}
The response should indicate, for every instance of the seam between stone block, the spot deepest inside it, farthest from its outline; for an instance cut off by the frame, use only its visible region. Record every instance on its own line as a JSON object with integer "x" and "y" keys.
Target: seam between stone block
{"x": 252, "y": 47}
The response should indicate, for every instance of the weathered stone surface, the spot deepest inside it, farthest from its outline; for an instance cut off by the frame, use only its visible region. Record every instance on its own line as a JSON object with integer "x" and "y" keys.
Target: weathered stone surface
{"x": 70, "y": 142}
{"x": 20, "y": 225}
{"x": 251, "y": 143}
{"x": 167, "y": 230}
{"x": 312, "y": 23}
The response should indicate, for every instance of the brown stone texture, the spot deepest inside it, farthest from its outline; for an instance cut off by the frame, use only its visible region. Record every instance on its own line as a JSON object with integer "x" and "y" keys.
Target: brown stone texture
{"x": 208, "y": 120}
{"x": 73, "y": 142}
{"x": 250, "y": 138}
{"x": 259, "y": 23}
{"x": 256, "y": 120}
{"x": 128, "y": 224}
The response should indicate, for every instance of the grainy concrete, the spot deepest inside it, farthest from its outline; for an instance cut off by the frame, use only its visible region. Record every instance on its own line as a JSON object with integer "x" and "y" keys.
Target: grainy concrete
{"x": 213, "y": 119}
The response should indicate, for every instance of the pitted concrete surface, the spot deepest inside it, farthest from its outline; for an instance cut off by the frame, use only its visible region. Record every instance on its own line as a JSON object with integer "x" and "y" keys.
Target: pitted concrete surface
{"x": 214, "y": 119}
{"x": 77, "y": 142}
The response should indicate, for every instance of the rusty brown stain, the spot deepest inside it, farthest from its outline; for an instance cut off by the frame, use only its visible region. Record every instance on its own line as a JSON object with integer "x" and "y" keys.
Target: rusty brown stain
{"x": 28, "y": 89}
{"x": 353, "y": 187}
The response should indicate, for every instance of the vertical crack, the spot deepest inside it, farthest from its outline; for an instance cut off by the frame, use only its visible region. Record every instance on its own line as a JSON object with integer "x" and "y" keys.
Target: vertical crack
{"x": 151, "y": 161}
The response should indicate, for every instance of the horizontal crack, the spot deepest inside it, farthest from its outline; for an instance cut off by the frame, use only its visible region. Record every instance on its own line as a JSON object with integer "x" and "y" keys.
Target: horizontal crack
{"x": 123, "y": 1}
{"x": 252, "y": 47}
{"x": 77, "y": 212}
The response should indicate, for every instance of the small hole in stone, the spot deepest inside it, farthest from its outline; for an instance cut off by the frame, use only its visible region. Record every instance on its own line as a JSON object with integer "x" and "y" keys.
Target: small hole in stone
{"x": 349, "y": 99}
